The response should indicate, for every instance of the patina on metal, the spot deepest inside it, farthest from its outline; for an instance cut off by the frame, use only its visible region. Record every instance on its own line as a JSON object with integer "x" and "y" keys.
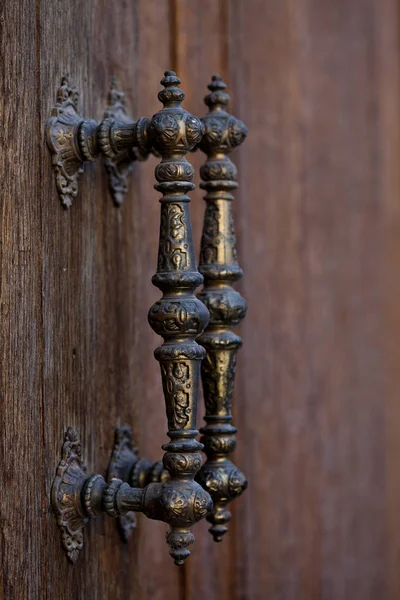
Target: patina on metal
{"x": 62, "y": 139}
{"x": 74, "y": 140}
{"x": 220, "y": 268}
{"x": 73, "y": 492}
{"x": 119, "y": 164}
{"x": 126, "y": 464}
{"x": 179, "y": 317}
{"x": 66, "y": 492}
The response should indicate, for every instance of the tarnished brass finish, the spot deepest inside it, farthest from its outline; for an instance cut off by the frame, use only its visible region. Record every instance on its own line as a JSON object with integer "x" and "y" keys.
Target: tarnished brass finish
{"x": 179, "y": 317}
{"x": 73, "y": 140}
{"x": 125, "y": 464}
{"x": 62, "y": 139}
{"x": 119, "y": 163}
{"x": 65, "y": 495}
{"x": 220, "y": 268}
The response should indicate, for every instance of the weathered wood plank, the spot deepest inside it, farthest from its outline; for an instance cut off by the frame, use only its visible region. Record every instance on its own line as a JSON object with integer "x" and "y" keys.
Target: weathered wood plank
{"x": 100, "y": 371}
{"x": 22, "y": 529}
{"x": 317, "y": 371}
{"x": 75, "y": 367}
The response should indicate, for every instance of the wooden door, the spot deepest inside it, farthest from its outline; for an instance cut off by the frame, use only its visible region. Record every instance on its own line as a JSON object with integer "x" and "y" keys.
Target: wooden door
{"x": 318, "y": 220}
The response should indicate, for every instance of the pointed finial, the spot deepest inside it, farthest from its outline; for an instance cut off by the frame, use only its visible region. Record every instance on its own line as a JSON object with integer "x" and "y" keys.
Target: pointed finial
{"x": 218, "y": 98}
{"x": 171, "y": 95}
{"x": 170, "y": 78}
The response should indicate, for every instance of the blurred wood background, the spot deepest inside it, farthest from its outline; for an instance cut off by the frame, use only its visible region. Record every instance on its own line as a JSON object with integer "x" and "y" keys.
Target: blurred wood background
{"x": 317, "y": 400}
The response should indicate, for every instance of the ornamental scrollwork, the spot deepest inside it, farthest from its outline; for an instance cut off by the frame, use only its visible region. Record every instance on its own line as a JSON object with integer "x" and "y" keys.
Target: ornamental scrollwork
{"x": 226, "y": 308}
{"x": 170, "y": 317}
{"x": 71, "y": 472}
{"x": 173, "y": 255}
{"x": 177, "y": 389}
{"x": 194, "y": 130}
{"x": 219, "y": 266}
{"x": 218, "y": 375}
{"x": 218, "y": 170}
{"x": 165, "y": 128}
{"x": 175, "y": 497}
{"x": 182, "y": 463}
{"x": 178, "y": 317}
{"x": 62, "y": 129}
{"x": 173, "y": 171}
{"x": 218, "y": 242}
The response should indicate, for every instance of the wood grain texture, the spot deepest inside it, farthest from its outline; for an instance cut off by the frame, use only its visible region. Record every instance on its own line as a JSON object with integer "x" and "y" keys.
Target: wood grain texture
{"x": 317, "y": 372}
{"x": 79, "y": 364}
{"x": 22, "y": 530}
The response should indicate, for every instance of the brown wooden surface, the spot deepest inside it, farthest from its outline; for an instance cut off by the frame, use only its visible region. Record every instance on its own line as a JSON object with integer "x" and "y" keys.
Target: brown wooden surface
{"x": 22, "y": 536}
{"x": 318, "y": 223}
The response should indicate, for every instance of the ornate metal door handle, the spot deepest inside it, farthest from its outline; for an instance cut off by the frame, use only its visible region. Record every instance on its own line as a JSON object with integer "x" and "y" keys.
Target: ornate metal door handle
{"x": 179, "y": 317}
{"x": 73, "y": 140}
{"x": 220, "y": 268}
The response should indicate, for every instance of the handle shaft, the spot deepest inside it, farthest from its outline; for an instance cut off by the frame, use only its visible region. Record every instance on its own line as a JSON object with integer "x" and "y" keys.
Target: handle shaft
{"x": 220, "y": 268}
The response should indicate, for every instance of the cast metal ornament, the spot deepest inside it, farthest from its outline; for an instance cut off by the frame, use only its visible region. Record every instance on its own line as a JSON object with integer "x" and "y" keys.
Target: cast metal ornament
{"x": 179, "y": 317}
{"x": 73, "y": 140}
{"x": 220, "y": 268}
{"x": 65, "y": 493}
{"x": 61, "y": 133}
{"x": 119, "y": 165}
{"x": 126, "y": 464}
{"x": 76, "y": 497}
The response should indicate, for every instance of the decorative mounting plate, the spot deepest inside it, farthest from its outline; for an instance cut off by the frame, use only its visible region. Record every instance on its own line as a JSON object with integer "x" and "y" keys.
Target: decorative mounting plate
{"x": 120, "y": 167}
{"x": 61, "y": 139}
{"x": 65, "y": 493}
{"x": 123, "y": 458}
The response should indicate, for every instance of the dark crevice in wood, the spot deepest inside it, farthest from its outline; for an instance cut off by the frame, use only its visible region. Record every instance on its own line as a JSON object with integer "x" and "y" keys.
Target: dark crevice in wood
{"x": 41, "y": 146}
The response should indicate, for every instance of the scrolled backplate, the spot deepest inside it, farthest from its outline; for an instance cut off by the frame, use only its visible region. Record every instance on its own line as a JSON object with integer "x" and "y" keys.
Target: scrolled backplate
{"x": 119, "y": 167}
{"x": 66, "y": 489}
{"x": 61, "y": 139}
{"x": 123, "y": 458}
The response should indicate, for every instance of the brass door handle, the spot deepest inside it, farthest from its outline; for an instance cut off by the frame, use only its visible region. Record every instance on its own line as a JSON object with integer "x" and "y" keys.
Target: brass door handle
{"x": 179, "y": 317}
{"x": 74, "y": 140}
{"x": 220, "y": 268}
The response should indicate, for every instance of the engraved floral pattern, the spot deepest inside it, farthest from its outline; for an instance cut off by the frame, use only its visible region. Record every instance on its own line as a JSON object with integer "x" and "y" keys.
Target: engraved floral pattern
{"x": 171, "y": 317}
{"x": 218, "y": 375}
{"x": 164, "y": 129}
{"x": 218, "y": 264}
{"x": 177, "y": 387}
{"x": 173, "y": 247}
{"x": 179, "y": 318}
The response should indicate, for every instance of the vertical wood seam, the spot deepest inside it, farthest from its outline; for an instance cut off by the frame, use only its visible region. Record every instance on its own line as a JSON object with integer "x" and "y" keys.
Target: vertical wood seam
{"x": 45, "y": 503}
